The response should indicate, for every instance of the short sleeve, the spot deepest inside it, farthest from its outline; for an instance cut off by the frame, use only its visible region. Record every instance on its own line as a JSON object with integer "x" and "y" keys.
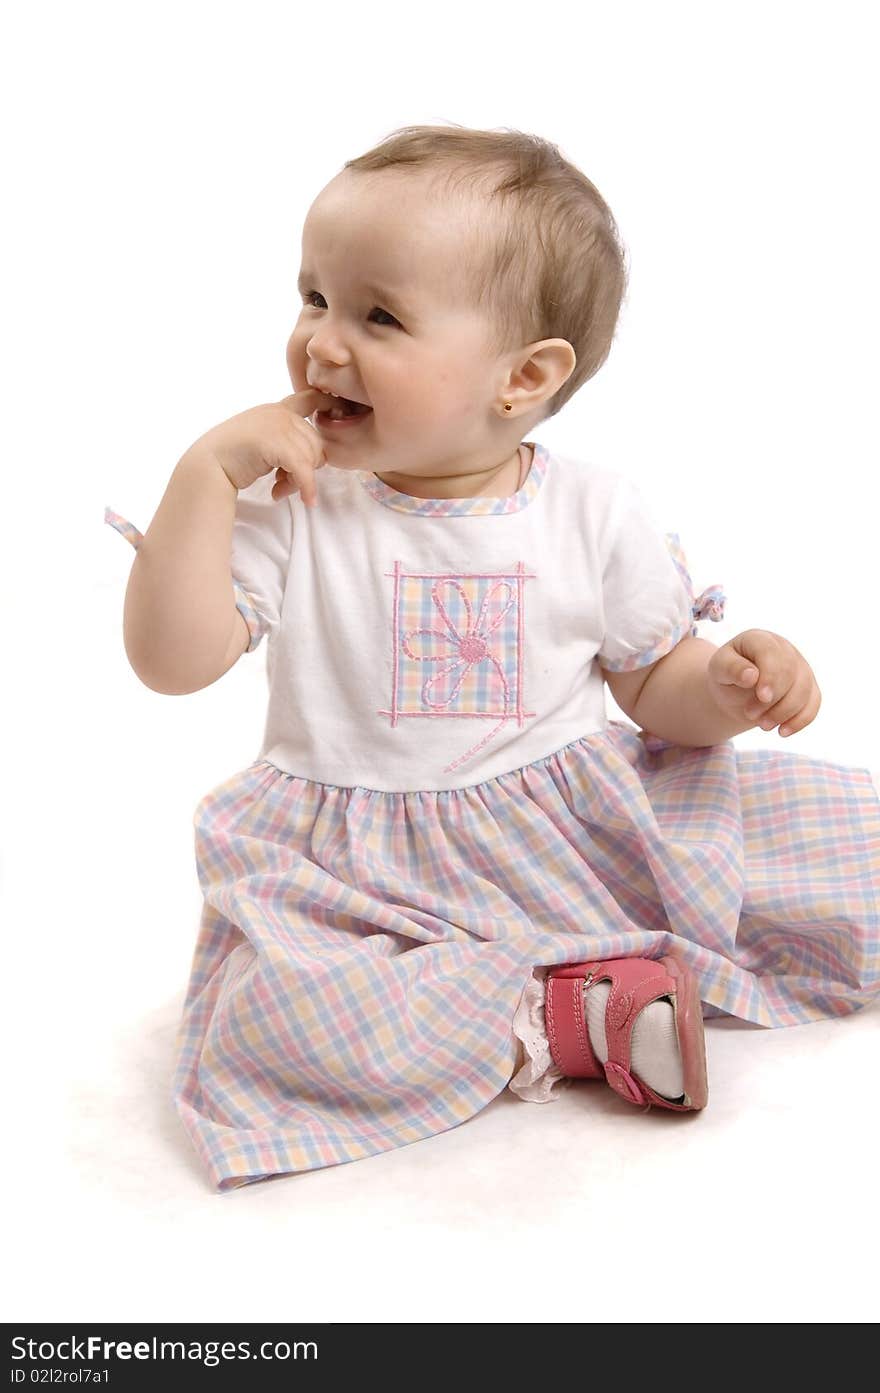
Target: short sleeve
{"x": 647, "y": 594}
{"x": 261, "y": 540}
{"x": 262, "y": 532}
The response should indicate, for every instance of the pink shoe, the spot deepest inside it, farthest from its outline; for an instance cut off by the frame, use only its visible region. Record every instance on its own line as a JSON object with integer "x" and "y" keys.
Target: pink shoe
{"x": 634, "y": 983}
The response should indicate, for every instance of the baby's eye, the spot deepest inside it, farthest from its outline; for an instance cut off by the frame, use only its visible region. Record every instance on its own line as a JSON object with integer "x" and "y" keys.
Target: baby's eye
{"x": 309, "y": 295}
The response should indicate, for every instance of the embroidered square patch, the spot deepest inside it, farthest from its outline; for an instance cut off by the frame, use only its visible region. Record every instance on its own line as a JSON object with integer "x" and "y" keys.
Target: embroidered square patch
{"x": 458, "y": 648}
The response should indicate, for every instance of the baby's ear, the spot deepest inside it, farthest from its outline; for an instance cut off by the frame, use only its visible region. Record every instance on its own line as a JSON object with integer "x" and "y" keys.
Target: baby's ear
{"x": 549, "y": 366}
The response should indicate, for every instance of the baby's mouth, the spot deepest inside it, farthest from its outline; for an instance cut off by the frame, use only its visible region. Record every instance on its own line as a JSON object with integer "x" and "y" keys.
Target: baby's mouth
{"x": 340, "y": 416}
{"x": 343, "y": 407}
{"x": 337, "y": 408}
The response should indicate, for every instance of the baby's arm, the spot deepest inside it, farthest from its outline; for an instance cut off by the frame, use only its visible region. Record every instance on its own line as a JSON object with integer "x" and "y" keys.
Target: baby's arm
{"x": 180, "y": 625}
{"x": 702, "y": 695}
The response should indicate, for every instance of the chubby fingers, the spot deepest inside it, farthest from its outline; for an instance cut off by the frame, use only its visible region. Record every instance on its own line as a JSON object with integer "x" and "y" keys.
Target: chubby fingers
{"x": 306, "y": 402}
{"x": 743, "y": 675}
{"x": 738, "y": 671}
{"x": 306, "y": 452}
{"x": 284, "y": 484}
{"x": 752, "y": 659}
{"x": 770, "y": 677}
{"x": 794, "y": 710}
{"x": 784, "y": 691}
{"x": 287, "y": 482}
{"x": 807, "y": 713}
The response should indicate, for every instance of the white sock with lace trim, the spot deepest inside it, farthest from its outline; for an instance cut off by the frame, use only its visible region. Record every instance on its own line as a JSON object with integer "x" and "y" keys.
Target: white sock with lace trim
{"x": 655, "y": 1054}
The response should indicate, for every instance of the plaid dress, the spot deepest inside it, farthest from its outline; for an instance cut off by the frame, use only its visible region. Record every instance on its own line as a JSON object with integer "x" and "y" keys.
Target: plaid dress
{"x": 379, "y": 888}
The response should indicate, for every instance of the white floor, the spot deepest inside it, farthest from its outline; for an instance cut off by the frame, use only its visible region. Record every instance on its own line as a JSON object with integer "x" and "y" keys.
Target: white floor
{"x": 761, "y": 1208}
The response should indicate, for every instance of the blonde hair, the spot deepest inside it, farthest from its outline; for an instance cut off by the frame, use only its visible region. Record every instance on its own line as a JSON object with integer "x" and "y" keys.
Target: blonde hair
{"x": 550, "y": 263}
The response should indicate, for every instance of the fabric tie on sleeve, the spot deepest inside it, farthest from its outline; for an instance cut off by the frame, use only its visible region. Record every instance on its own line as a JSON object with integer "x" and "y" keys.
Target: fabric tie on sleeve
{"x": 707, "y": 605}
{"x": 127, "y": 529}
{"x": 254, "y": 620}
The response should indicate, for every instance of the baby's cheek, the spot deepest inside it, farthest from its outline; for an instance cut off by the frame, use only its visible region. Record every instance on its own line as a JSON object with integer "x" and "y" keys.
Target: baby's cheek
{"x": 414, "y": 409}
{"x": 296, "y": 356}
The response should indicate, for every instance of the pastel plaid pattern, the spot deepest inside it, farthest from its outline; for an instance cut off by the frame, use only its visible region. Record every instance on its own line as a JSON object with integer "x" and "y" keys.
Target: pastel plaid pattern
{"x": 361, "y": 953}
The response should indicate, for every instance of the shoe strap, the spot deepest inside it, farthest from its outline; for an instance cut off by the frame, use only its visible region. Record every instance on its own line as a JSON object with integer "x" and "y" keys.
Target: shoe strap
{"x": 635, "y": 982}
{"x": 567, "y": 1035}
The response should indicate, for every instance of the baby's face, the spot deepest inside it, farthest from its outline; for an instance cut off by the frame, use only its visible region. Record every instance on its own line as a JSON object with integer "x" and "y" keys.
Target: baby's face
{"x": 385, "y": 320}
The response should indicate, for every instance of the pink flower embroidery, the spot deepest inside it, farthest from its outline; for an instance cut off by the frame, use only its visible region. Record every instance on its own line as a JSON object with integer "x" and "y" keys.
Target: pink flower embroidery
{"x": 461, "y": 642}
{"x": 476, "y": 670}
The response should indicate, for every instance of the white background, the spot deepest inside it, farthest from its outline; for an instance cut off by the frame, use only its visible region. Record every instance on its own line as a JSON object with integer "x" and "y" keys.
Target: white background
{"x": 159, "y": 162}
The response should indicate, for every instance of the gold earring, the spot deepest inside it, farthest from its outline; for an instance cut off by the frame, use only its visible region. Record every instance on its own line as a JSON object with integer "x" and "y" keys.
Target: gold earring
{"x": 507, "y": 406}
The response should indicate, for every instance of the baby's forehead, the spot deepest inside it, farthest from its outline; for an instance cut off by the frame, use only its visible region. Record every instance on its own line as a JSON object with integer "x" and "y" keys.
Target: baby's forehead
{"x": 392, "y": 221}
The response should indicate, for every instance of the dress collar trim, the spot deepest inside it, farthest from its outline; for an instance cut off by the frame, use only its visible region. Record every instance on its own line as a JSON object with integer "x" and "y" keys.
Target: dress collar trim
{"x": 461, "y": 507}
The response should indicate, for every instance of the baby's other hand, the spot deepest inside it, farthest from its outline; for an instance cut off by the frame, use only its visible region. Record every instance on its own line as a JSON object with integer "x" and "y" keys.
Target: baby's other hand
{"x": 761, "y": 676}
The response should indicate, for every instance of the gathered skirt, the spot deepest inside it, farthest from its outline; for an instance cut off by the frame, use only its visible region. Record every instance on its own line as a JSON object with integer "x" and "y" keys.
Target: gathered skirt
{"x": 361, "y": 954}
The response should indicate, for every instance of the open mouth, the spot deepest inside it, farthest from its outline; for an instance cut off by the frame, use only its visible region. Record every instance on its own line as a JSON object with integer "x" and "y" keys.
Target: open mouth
{"x": 343, "y": 411}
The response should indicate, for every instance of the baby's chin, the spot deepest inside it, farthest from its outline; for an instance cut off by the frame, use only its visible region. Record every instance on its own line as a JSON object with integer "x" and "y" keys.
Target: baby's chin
{"x": 342, "y": 459}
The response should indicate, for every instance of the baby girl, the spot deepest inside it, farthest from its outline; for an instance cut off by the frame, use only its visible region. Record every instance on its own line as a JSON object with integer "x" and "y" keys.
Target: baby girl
{"x": 446, "y": 871}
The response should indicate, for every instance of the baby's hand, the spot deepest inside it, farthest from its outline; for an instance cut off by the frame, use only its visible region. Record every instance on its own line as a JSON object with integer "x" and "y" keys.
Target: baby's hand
{"x": 760, "y": 676}
{"x": 275, "y": 436}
